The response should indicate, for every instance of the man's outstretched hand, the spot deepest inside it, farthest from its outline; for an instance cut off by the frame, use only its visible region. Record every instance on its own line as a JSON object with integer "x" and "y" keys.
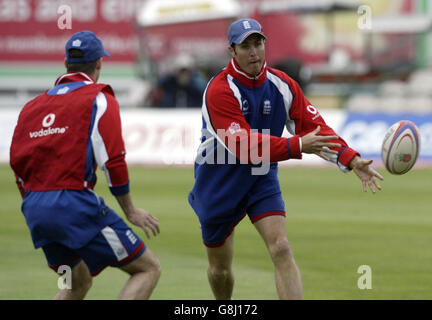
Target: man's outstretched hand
{"x": 366, "y": 173}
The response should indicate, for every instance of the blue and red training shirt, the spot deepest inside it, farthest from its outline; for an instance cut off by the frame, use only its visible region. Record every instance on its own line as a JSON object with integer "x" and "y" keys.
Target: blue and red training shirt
{"x": 242, "y": 116}
{"x": 61, "y": 137}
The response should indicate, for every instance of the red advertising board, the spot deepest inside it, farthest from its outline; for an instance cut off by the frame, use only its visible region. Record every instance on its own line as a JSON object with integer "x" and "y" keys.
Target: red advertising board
{"x": 36, "y": 30}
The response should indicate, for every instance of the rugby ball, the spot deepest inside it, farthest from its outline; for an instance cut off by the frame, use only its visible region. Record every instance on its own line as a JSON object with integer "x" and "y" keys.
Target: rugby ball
{"x": 401, "y": 147}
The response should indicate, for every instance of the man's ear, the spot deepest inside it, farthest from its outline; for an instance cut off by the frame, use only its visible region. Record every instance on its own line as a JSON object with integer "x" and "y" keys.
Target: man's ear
{"x": 232, "y": 51}
{"x": 99, "y": 64}
{"x": 65, "y": 63}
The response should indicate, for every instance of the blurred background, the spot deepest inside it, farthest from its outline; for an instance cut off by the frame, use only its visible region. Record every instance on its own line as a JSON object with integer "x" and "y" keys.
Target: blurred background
{"x": 363, "y": 64}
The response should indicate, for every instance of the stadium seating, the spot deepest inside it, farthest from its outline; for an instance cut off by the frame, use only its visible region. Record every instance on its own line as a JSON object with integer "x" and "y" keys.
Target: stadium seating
{"x": 413, "y": 95}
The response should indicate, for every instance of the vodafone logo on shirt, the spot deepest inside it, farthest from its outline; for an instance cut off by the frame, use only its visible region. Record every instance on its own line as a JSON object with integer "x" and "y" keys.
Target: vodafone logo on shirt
{"x": 47, "y": 122}
{"x": 313, "y": 111}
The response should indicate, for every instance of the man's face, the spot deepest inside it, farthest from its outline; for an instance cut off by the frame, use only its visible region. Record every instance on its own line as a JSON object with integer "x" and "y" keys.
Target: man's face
{"x": 250, "y": 54}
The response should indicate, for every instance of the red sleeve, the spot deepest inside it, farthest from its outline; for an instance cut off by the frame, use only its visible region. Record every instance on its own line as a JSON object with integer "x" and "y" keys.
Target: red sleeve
{"x": 228, "y": 122}
{"x": 110, "y": 130}
{"x": 307, "y": 117}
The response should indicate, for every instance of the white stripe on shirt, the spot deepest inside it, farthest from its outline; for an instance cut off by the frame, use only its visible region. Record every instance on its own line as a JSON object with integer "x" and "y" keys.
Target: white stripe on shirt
{"x": 287, "y": 95}
{"x": 99, "y": 149}
{"x": 206, "y": 116}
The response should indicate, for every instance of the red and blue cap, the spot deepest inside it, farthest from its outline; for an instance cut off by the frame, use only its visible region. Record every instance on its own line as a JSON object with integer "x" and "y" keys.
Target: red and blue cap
{"x": 243, "y": 28}
{"x": 90, "y": 45}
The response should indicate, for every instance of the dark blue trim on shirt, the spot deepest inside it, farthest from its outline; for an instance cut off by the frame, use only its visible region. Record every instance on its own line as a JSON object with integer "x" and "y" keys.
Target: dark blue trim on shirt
{"x": 65, "y": 88}
{"x": 120, "y": 190}
{"x": 289, "y": 148}
{"x": 339, "y": 154}
{"x": 89, "y": 173}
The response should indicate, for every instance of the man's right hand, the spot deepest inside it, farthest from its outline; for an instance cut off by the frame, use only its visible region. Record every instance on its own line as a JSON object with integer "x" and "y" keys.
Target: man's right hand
{"x": 144, "y": 220}
{"x": 312, "y": 143}
{"x": 137, "y": 216}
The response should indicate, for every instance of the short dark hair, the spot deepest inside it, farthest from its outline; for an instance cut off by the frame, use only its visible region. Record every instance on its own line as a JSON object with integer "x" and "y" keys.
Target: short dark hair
{"x": 233, "y": 45}
{"x": 88, "y": 68}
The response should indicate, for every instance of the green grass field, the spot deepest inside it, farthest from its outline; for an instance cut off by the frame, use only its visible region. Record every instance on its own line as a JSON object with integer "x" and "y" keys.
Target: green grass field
{"x": 332, "y": 225}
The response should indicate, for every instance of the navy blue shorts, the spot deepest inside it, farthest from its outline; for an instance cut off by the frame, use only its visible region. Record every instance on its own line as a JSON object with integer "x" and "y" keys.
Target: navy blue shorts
{"x": 115, "y": 245}
{"x": 264, "y": 199}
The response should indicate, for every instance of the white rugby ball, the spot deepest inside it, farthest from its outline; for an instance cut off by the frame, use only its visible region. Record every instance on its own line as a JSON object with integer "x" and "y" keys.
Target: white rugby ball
{"x": 401, "y": 147}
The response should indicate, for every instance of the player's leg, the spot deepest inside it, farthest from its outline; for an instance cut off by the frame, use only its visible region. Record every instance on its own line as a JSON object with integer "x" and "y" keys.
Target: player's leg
{"x": 219, "y": 272}
{"x": 59, "y": 255}
{"x": 119, "y": 246}
{"x": 266, "y": 209}
{"x": 81, "y": 284}
{"x": 287, "y": 274}
{"x": 144, "y": 275}
{"x": 219, "y": 240}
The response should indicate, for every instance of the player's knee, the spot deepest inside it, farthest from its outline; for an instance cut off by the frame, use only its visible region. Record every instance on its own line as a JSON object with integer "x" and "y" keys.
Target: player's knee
{"x": 155, "y": 268}
{"x": 219, "y": 270}
{"x": 147, "y": 263}
{"x": 280, "y": 249}
{"x": 81, "y": 279}
{"x": 81, "y": 284}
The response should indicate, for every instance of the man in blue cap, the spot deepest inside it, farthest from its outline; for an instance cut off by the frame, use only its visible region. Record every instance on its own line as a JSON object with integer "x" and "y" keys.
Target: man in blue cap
{"x": 60, "y": 139}
{"x": 245, "y": 110}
